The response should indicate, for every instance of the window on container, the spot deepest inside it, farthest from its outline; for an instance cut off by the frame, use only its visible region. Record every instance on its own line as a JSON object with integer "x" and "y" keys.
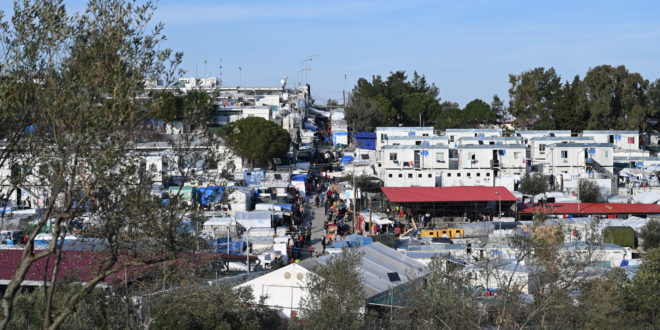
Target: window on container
{"x": 390, "y": 175}
{"x": 383, "y": 136}
{"x": 605, "y": 153}
{"x": 488, "y": 174}
{"x": 468, "y": 174}
{"x": 430, "y": 175}
{"x": 478, "y": 174}
{"x": 516, "y": 155}
{"x": 393, "y": 156}
{"x": 409, "y": 175}
{"x": 631, "y": 140}
{"x": 418, "y": 143}
{"x": 564, "y": 154}
{"x": 458, "y": 174}
{"x": 542, "y": 148}
{"x": 419, "y": 175}
{"x": 364, "y": 156}
{"x": 449, "y": 175}
{"x": 440, "y": 157}
{"x": 400, "y": 175}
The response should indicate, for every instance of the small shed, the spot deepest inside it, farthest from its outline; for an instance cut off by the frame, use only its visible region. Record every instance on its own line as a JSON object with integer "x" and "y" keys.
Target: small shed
{"x": 220, "y": 227}
{"x": 254, "y": 219}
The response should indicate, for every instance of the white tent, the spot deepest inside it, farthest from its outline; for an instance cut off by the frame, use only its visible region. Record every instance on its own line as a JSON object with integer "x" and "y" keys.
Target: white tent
{"x": 376, "y": 219}
{"x": 284, "y": 288}
{"x": 649, "y": 197}
{"x": 254, "y": 219}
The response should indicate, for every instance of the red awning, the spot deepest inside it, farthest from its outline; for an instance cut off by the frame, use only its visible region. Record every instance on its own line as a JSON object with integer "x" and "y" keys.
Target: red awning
{"x": 448, "y": 194}
{"x": 595, "y": 208}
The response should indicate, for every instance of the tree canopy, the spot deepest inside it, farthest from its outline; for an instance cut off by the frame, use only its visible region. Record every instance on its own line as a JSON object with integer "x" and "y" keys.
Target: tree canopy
{"x": 609, "y": 97}
{"x": 257, "y": 139}
{"x": 393, "y": 101}
{"x": 533, "y": 184}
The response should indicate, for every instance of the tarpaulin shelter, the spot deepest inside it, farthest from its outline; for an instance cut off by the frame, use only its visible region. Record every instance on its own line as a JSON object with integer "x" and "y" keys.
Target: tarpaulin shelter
{"x": 253, "y": 177}
{"x": 208, "y": 195}
{"x": 254, "y": 219}
{"x": 365, "y": 140}
{"x": 185, "y": 193}
{"x": 298, "y": 181}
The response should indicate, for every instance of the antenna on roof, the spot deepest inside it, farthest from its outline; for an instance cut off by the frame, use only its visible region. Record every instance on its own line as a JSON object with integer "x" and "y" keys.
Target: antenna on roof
{"x": 283, "y": 81}
{"x": 220, "y": 73}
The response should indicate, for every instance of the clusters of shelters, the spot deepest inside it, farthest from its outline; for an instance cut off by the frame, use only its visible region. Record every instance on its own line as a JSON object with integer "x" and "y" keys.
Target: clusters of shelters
{"x": 424, "y": 157}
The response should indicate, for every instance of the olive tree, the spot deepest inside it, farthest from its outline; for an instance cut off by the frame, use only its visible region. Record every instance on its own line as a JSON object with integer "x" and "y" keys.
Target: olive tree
{"x": 77, "y": 81}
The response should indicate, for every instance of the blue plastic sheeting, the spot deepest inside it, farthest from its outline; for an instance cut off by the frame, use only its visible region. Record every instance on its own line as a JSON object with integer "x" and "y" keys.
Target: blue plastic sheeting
{"x": 353, "y": 241}
{"x": 365, "y": 135}
{"x": 347, "y": 159}
{"x": 310, "y": 127}
{"x": 186, "y": 227}
{"x": 235, "y": 247}
{"x": 365, "y": 140}
{"x": 340, "y": 133}
{"x": 362, "y": 240}
{"x": 286, "y": 207}
{"x": 208, "y": 195}
{"x": 253, "y": 177}
{"x": 298, "y": 177}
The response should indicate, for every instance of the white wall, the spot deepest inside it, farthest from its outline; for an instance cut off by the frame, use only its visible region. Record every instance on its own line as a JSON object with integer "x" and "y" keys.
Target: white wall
{"x": 410, "y": 178}
{"x": 465, "y": 177}
{"x": 383, "y": 132}
{"x": 510, "y": 158}
{"x": 620, "y": 139}
{"x": 428, "y": 161}
{"x": 283, "y": 288}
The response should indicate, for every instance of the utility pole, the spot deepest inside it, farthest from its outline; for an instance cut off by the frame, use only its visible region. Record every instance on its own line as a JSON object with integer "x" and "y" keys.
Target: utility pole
{"x": 343, "y": 92}
{"x": 247, "y": 250}
{"x": 499, "y": 215}
{"x": 220, "y": 71}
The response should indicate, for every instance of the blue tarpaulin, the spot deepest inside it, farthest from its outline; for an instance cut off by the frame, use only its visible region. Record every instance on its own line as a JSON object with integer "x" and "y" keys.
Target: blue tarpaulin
{"x": 208, "y": 195}
{"x": 253, "y": 177}
{"x": 353, "y": 241}
{"x": 347, "y": 159}
{"x": 365, "y": 140}
{"x": 286, "y": 207}
{"x": 298, "y": 177}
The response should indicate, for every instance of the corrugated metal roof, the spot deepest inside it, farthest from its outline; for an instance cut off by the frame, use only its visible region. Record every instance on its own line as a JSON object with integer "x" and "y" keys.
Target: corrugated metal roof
{"x": 562, "y": 138}
{"x": 492, "y": 146}
{"x": 491, "y": 138}
{"x": 633, "y": 158}
{"x": 544, "y": 132}
{"x": 447, "y": 194}
{"x": 418, "y": 137}
{"x": 473, "y": 130}
{"x": 613, "y": 132}
{"x": 594, "y": 208}
{"x": 403, "y": 128}
{"x": 419, "y": 147}
{"x": 377, "y": 261}
{"x": 582, "y": 145}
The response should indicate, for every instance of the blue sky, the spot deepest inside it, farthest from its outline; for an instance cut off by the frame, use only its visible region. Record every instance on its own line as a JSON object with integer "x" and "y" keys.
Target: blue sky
{"x": 466, "y": 47}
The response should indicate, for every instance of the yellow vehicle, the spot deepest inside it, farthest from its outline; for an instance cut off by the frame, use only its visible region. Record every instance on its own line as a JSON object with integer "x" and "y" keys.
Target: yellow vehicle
{"x": 448, "y": 233}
